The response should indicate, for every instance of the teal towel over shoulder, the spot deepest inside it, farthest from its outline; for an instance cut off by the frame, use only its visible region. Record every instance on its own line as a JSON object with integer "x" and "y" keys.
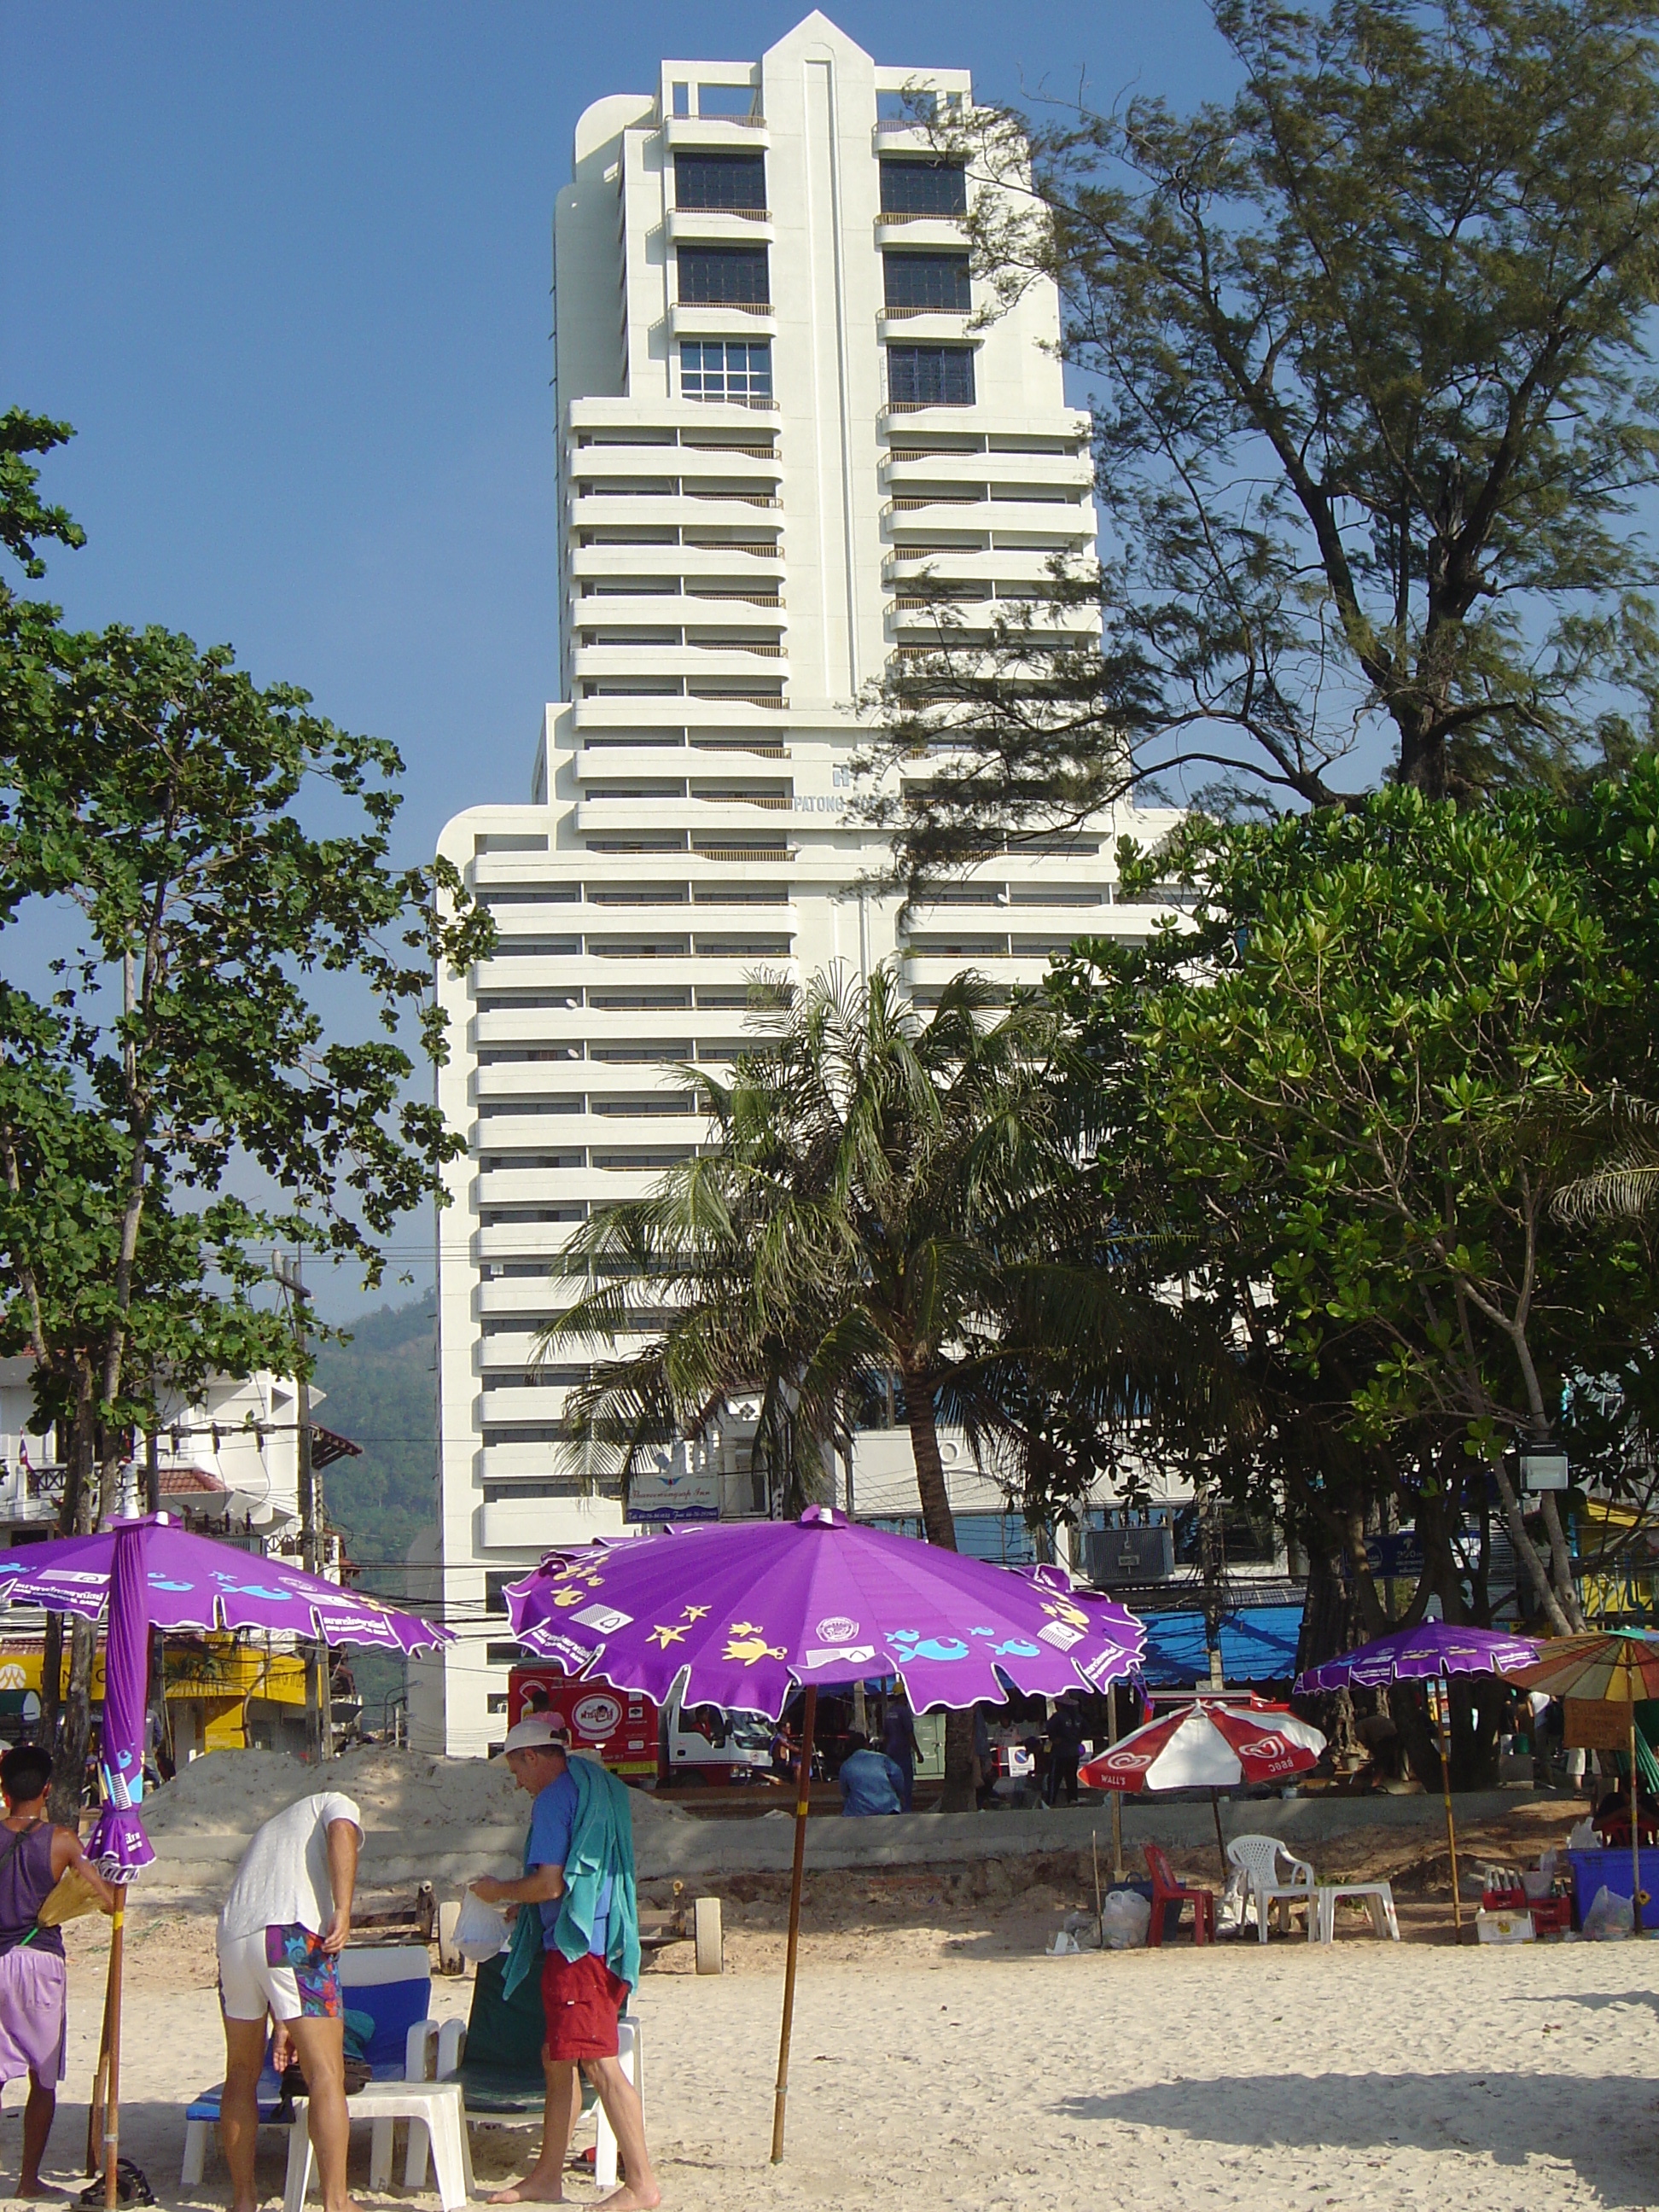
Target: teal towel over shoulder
{"x": 601, "y": 1844}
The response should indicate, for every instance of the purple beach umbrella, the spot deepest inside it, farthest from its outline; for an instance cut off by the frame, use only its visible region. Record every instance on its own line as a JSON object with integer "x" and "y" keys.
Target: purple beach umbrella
{"x": 202, "y": 1582}
{"x": 1428, "y": 1653}
{"x": 749, "y": 1611}
{"x": 152, "y": 1574}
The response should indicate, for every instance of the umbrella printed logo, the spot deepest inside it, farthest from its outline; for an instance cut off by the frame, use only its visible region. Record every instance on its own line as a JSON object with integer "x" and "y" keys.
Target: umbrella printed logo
{"x": 1061, "y": 1635}
{"x": 910, "y": 1647}
{"x": 604, "y": 1618}
{"x": 837, "y": 1629}
{"x": 850, "y": 1655}
{"x": 1128, "y": 1762}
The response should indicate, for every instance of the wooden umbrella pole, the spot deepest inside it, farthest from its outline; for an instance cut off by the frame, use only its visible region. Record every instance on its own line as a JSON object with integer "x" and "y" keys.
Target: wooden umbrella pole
{"x": 113, "y": 2089}
{"x": 1441, "y": 1702}
{"x": 1220, "y": 1840}
{"x": 802, "y": 1800}
{"x": 1635, "y": 1832}
{"x": 1116, "y": 1795}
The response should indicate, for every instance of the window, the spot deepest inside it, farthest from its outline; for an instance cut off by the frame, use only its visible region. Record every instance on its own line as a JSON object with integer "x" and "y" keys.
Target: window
{"x": 726, "y": 369}
{"x": 924, "y": 188}
{"x": 930, "y": 376}
{"x": 736, "y": 181}
{"x": 926, "y": 280}
{"x": 724, "y": 277}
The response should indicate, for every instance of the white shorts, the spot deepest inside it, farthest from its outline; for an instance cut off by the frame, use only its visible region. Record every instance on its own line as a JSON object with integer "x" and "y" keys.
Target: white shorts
{"x": 254, "y": 1978}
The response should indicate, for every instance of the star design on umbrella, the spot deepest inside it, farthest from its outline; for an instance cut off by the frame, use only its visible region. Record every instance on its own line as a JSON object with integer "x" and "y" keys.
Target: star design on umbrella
{"x": 695, "y": 1613}
{"x": 665, "y": 1635}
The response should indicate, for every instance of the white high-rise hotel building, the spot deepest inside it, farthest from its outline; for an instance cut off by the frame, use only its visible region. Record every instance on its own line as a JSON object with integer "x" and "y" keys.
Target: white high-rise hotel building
{"x": 775, "y": 416}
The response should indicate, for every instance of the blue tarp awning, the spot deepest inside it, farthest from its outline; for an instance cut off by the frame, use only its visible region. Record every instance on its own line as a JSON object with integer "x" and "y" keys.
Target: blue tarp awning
{"x": 1258, "y": 1644}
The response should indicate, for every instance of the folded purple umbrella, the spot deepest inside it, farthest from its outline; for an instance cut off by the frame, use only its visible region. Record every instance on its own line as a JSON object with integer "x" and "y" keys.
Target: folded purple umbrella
{"x": 119, "y": 1843}
{"x": 751, "y": 1611}
{"x": 1419, "y": 1655}
{"x": 199, "y": 1582}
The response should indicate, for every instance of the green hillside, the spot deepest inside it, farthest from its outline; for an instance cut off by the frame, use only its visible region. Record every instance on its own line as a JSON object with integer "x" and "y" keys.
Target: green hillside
{"x": 381, "y": 1391}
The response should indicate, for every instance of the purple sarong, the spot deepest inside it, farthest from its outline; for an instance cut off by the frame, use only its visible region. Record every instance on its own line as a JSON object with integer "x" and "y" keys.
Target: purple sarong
{"x": 34, "y": 1990}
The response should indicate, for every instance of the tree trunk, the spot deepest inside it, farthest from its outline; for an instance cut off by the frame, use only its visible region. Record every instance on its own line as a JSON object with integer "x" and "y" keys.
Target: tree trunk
{"x": 1327, "y": 1629}
{"x": 69, "y": 1766}
{"x": 939, "y": 1524}
{"x": 1526, "y": 1551}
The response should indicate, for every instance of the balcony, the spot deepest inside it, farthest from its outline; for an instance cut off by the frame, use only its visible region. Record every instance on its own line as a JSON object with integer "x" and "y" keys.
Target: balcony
{"x": 745, "y": 132}
{"x": 721, "y": 318}
{"x": 749, "y": 226}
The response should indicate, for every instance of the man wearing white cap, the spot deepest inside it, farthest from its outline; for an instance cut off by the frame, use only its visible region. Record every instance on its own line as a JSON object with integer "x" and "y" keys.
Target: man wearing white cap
{"x": 579, "y": 1874}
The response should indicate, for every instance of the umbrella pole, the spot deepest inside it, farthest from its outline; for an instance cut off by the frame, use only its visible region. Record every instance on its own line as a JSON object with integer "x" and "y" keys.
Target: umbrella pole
{"x": 113, "y": 2089}
{"x": 1115, "y": 1795}
{"x": 1440, "y": 1704}
{"x": 1634, "y": 1835}
{"x": 1220, "y": 1840}
{"x": 802, "y": 1798}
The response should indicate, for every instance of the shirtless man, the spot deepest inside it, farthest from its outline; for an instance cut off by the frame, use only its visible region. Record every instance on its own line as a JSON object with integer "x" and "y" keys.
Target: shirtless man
{"x": 581, "y": 1997}
{"x": 34, "y": 1988}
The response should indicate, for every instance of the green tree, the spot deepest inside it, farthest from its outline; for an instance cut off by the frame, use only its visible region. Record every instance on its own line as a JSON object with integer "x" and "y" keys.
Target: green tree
{"x": 150, "y": 798}
{"x": 1377, "y": 1063}
{"x": 874, "y": 1213}
{"x": 1368, "y": 346}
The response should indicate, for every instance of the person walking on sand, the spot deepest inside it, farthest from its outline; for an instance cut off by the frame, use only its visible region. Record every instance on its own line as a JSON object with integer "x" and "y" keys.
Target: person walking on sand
{"x": 34, "y": 1977}
{"x": 283, "y": 1927}
{"x": 579, "y": 1876}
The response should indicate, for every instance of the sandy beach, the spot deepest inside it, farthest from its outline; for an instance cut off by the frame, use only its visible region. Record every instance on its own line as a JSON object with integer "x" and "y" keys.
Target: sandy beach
{"x": 940, "y": 2057}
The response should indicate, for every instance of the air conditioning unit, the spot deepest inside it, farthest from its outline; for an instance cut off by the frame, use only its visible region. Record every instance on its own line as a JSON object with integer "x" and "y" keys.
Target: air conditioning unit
{"x": 1129, "y": 1555}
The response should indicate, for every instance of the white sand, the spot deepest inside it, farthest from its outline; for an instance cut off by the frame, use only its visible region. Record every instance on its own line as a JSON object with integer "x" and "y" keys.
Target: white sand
{"x": 1468, "y": 2080}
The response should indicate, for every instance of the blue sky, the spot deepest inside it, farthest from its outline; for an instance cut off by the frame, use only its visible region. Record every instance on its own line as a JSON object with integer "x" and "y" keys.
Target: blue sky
{"x": 286, "y": 269}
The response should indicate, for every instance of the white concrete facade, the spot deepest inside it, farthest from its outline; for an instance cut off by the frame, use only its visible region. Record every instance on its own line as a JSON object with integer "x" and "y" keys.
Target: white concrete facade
{"x": 733, "y": 570}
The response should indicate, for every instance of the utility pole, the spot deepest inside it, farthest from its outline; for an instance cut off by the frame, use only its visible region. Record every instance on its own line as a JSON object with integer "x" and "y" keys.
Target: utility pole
{"x": 320, "y": 1733}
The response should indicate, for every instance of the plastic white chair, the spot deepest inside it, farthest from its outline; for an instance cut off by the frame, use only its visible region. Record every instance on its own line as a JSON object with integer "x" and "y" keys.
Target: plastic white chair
{"x": 1258, "y": 1859}
{"x": 452, "y": 2050}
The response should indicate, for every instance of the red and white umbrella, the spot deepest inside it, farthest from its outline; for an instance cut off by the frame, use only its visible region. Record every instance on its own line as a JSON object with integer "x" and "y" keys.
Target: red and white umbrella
{"x": 1206, "y": 1746}
{"x": 1209, "y": 1746}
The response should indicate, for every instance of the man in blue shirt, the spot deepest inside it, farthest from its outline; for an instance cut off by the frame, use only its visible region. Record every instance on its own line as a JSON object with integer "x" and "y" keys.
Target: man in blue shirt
{"x": 581, "y": 1998}
{"x": 870, "y": 1782}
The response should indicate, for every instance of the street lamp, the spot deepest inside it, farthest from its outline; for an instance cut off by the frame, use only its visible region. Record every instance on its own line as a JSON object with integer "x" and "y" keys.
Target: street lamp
{"x": 1543, "y": 1467}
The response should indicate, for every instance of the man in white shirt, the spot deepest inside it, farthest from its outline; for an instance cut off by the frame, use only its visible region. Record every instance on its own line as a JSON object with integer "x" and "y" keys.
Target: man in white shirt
{"x": 283, "y": 1925}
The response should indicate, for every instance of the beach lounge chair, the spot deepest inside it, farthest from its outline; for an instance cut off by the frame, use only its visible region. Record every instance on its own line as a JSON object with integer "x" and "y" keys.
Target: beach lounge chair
{"x": 1168, "y": 1891}
{"x": 1274, "y": 1877}
{"x": 393, "y": 1987}
{"x": 497, "y": 2057}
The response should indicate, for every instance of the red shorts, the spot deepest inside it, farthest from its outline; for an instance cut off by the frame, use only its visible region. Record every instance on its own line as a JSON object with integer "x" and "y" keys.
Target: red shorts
{"x": 581, "y": 2000}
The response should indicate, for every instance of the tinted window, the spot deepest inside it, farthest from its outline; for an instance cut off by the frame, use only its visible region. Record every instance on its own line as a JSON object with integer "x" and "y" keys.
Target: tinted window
{"x": 926, "y": 280}
{"x": 930, "y": 375}
{"x": 713, "y": 276}
{"x": 720, "y": 180}
{"x": 923, "y": 188}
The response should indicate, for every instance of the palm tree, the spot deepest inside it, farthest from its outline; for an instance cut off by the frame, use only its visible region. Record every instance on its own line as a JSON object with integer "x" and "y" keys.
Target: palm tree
{"x": 876, "y": 1211}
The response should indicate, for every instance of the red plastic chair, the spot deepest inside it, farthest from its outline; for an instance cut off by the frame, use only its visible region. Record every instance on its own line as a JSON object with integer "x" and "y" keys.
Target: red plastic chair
{"x": 1166, "y": 1890}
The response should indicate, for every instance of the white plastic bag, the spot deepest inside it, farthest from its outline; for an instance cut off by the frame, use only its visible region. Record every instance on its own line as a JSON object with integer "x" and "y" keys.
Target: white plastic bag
{"x": 480, "y": 1930}
{"x": 1126, "y": 1917}
{"x": 1064, "y": 1946}
{"x": 1608, "y": 1918}
{"x": 1583, "y": 1836}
